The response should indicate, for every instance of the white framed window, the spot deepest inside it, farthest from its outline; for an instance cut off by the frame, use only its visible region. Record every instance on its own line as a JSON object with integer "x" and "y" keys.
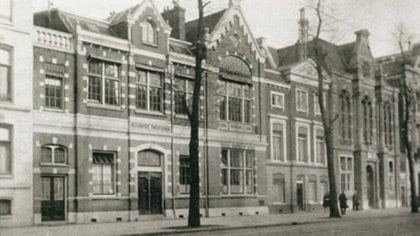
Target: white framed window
{"x": 312, "y": 191}
{"x": 317, "y": 109}
{"x": 149, "y": 33}
{"x": 184, "y": 174}
{"x": 104, "y": 82}
{"x": 346, "y": 173}
{"x": 320, "y": 152}
{"x": 5, "y": 150}
{"x": 303, "y": 145}
{"x": 301, "y": 100}
{"x": 5, "y": 72}
{"x": 277, "y": 100}
{"x": 53, "y": 154}
{"x": 391, "y": 175}
{"x": 237, "y": 171}
{"x": 235, "y": 102}
{"x": 6, "y": 10}
{"x": 278, "y": 140}
{"x": 149, "y": 91}
{"x": 103, "y": 175}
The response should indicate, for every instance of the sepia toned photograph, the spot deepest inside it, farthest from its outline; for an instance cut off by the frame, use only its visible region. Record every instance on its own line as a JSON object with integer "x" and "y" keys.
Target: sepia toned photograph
{"x": 209, "y": 117}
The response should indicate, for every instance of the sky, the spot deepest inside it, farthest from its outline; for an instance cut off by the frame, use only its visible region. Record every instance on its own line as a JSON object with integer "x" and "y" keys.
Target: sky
{"x": 277, "y": 20}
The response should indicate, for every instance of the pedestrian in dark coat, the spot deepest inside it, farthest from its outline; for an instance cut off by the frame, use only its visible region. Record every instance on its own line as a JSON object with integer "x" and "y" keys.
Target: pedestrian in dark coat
{"x": 343, "y": 202}
{"x": 355, "y": 201}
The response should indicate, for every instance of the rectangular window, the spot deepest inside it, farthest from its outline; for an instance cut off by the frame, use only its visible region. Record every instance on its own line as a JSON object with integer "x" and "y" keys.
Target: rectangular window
{"x": 277, "y": 100}
{"x": 5, "y": 149}
{"x": 5, "y": 207}
{"x": 346, "y": 173}
{"x": 5, "y": 73}
{"x": 391, "y": 176}
{"x": 53, "y": 92}
{"x": 5, "y": 10}
{"x": 278, "y": 188}
{"x": 312, "y": 192}
{"x": 303, "y": 144}
{"x": 278, "y": 142}
{"x": 104, "y": 82}
{"x": 103, "y": 173}
{"x": 320, "y": 156}
{"x": 316, "y": 103}
{"x": 149, "y": 91}
{"x": 301, "y": 100}
{"x": 235, "y": 102}
{"x": 184, "y": 175}
{"x": 237, "y": 171}
{"x": 184, "y": 90}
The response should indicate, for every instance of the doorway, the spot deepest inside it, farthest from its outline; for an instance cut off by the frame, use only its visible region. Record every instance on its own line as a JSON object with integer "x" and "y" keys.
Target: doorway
{"x": 370, "y": 186}
{"x": 299, "y": 196}
{"x": 52, "y": 204}
{"x": 150, "y": 193}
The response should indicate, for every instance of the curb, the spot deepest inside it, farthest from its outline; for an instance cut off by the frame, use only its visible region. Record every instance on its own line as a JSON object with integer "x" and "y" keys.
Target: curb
{"x": 227, "y": 227}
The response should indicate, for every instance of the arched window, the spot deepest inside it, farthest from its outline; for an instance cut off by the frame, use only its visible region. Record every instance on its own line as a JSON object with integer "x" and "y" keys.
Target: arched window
{"x": 148, "y": 158}
{"x": 278, "y": 188}
{"x": 346, "y": 118}
{"x": 149, "y": 33}
{"x": 53, "y": 154}
{"x": 367, "y": 120}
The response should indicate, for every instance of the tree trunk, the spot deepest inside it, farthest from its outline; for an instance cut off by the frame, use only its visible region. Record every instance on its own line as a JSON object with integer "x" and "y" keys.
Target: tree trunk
{"x": 194, "y": 118}
{"x": 414, "y": 203}
{"x": 329, "y": 142}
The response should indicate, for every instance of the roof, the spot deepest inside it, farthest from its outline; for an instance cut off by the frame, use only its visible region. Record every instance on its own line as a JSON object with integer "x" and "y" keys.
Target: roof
{"x": 210, "y": 21}
{"x": 122, "y": 15}
{"x": 338, "y": 56}
{"x": 67, "y": 22}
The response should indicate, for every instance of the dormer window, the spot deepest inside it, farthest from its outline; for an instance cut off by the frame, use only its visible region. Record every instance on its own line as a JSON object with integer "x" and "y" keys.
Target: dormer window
{"x": 149, "y": 33}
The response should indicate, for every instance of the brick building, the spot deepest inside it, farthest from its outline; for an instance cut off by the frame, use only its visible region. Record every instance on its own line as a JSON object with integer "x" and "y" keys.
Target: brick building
{"x": 15, "y": 113}
{"x": 111, "y": 132}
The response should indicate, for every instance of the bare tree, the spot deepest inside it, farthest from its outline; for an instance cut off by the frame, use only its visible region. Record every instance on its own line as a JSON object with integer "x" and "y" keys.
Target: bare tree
{"x": 406, "y": 109}
{"x": 328, "y": 117}
{"x": 194, "y": 118}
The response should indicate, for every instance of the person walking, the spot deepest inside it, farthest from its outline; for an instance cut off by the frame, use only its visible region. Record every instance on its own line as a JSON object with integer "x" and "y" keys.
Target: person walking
{"x": 355, "y": 201}
{"x": 343, "y": 202}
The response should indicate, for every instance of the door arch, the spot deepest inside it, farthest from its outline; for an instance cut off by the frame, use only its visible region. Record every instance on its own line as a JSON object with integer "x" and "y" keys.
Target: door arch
{"x": 370, "y": 190}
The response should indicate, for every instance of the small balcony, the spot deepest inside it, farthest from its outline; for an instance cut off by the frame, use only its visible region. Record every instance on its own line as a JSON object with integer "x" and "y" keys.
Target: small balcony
{"x": 53, "y": 39}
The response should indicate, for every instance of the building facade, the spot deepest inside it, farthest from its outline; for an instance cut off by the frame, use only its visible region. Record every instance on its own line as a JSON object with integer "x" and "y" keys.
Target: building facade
{"x": 15, "y": 113}
{"x": 111, "y": 130}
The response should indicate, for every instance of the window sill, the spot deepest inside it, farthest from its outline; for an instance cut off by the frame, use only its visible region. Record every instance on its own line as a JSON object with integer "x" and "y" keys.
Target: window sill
{"x": 181, "y": 116}
{"x": 53, "y": 165}
{"x": 277, "y": 107}
{"x": 101, "y": 106}
{"x": 152, "y": 113}
{"x": 150, "y": 44}
{"x": 104, "y": 197}
{"x": 54, "y": 110}
{"x": 6, "y": 217}
{"x": 6, "y": 176}
{"x": 279, "y": 203}
{"x": 242, "y": 195}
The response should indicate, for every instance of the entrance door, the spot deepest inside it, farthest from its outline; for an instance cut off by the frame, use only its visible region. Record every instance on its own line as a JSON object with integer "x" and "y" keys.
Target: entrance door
{"x": 299, "y": 195}
{"x": 370, "y": 186}
{"x": 52, "y": 204}
{"x": 150, "y": 192}
{"x": 403, "y": 197}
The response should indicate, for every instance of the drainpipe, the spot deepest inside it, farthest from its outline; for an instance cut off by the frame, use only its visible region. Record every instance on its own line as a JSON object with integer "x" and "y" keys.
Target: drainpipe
{"x": 171, "y": 72}
{"x": 206, "y": 146}
{"x": 76, "y": 111}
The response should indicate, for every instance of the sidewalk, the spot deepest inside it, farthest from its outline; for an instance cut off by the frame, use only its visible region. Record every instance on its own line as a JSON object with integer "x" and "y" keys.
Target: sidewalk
{"x": 168, "y": 226}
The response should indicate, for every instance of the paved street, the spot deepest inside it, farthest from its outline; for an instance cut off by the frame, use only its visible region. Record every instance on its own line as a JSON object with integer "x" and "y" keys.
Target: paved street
{"x": 369, "y": 222}
{"x": 394, "y": 225}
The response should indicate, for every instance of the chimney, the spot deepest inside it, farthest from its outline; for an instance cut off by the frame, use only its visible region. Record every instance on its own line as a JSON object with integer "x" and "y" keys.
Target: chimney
{"x": 176, "y": 19}
{"x": 303, "y": 35}
{"x": 235, "y": 3}
{"x": 362, "y": 35}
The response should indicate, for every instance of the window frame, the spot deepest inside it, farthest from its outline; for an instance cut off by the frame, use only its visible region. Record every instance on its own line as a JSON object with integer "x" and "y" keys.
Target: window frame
{"x": 244, "y": 168}
{"x": 51, "y": 77}
{"x": 103, "y": 79}
{"x": 305, "y": 92}
{"x": 10, "y": 50}
{"x": 273, "y": 94}
{"x": 9, "y": 19}
{"x": 316, "y": 141}
{"x": 184, "y": 187}
{"x": 317, "y": 109}
{"x": 282, "y": 182}
{"x": 149, "y": 26}
{"x": 226, "y": 111}
{"x": 282, "y": 122}
{"x": 148, "y": 93}
{"x": 349, "y": 182}
{"x": 391, "y": 174}
{"x": 10, "y": 143}
{"x": 53, "y": 147}
{"x": 113, "y": 173}
{"x": 313, "y": 180}
{"x": 308, "y": 143}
